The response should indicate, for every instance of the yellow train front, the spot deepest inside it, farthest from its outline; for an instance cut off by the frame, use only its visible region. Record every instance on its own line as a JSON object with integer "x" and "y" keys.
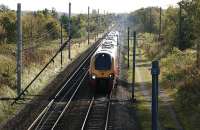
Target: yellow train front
{"x": 103, "y": 71}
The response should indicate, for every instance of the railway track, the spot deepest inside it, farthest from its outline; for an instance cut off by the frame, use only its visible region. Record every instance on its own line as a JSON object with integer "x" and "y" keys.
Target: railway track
{"x": 92, "y": 113}
{"x": 52, "y": 114}
{"x": 98, "y": 114}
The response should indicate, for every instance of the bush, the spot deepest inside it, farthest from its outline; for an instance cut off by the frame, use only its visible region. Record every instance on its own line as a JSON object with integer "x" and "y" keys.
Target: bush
{"x": 176, "y": 63}
{"x": 179, "y": 69}
{"x": 188, "y": 94}
{"x": 7, "y": 70}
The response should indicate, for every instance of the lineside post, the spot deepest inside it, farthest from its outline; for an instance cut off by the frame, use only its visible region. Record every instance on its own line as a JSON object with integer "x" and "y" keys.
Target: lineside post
{"x": 155, "y": 71}
{"x": 180, "y": 26}
{"x": 150, "y": 20}
{"x": 128, "y": 46}
{"x": 160, "y": 24}
{"x": 134, "y": 61}
{"x": 69, "y": 31}
{"x": 98, "y": 24}
{"x": 88, "y": 25}
{"x": 19, "y": 48}
{"x": 61, "y": 42}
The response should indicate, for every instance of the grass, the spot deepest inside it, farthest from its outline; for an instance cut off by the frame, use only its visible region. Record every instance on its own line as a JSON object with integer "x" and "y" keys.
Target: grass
{"x": 143, "y": 111}
{"x": 179, "y": 79}
{"x": 33, "y": 61}
{"x": 143, "y": 105}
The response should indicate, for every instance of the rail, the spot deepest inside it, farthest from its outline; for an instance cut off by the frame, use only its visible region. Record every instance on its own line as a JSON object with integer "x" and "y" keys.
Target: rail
{"x": 42, "y": 114}
{"x": 89, "y": 112}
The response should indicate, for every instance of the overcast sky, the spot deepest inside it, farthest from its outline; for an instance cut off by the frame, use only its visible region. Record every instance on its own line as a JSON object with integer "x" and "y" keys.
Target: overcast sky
{"x": 80, "y": 6}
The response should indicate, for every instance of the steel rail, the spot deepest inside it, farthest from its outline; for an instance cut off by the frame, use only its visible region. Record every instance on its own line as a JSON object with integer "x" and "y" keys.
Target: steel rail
{"x": 61, "y": 100}
{"x": 86, "y": 117}
{"x": 44, "y": 112}
{"x": 108, "y": 110}
{"x": 90, "y": 108}
{"x": 53, "y": 100}
{"x": 41, "y": 115}
{"x": 68, "y": 103}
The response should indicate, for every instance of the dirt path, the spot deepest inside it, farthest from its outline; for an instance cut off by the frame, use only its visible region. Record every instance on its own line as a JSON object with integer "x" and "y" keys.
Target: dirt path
{"x": 143, "y": 77}
{"x": 123, "y": 109}
{"x": 166, "y": 101}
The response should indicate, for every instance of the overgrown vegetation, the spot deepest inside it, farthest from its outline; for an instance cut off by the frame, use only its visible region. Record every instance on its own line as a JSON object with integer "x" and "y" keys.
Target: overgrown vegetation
{"x": 182, "y": 76}
{"x": 178, "y": 51}
{"x": 40, "y": 28}
{"x": 41, "y": 39}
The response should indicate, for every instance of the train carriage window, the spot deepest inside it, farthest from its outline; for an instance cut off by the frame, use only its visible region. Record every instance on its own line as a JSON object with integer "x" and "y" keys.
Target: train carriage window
{"x": 103, "y": 61}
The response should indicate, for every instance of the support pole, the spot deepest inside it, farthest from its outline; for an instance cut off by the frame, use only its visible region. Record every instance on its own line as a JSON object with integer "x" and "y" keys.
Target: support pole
{"x": 31, "y": 35}
{"x": 61, "y": 42}
{"x": 98, "y": 25}
{"x": 160, "y": 24}
{"x": 134, "y": 58}
{"x": 19, "y": 48}
{"x": 69, "y": 31}
{"x": 88, "y": 25}
{"x": 198, "y": 54}
{"x": 118, "y": 46}
{"x": 150, "y": 20}
{"x": 128, "y": 45}
{"x": 180, "y": 26}
{"x": 104, "y": 19}
{"x": 154, "y": 107}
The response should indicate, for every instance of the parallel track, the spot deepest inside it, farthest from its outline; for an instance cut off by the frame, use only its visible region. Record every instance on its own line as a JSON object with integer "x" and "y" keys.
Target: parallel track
{"x": 98, "y": 114}
{"x": 50, "y": 117}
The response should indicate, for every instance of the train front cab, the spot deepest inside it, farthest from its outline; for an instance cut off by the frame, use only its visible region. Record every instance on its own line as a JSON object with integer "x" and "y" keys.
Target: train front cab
{"x": 102, "y": 73}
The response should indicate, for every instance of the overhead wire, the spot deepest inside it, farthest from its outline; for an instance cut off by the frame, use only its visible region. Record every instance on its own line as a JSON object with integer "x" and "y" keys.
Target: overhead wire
{"x": 39, "y": 40}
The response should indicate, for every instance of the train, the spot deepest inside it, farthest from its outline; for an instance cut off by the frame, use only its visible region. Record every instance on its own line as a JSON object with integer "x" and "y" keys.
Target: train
{"x": 104, "y": 64}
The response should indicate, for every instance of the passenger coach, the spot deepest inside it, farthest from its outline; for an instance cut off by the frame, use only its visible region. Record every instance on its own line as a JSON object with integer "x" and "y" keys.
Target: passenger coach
{"x": 103, "y": 71}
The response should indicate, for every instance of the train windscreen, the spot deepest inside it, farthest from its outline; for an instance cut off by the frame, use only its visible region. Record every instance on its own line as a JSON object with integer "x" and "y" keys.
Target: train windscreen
{"x": 103, "y": 61}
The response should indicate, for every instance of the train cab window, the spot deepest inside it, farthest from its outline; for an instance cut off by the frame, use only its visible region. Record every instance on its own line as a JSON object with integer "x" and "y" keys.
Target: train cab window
{"x": 103, "y": 61}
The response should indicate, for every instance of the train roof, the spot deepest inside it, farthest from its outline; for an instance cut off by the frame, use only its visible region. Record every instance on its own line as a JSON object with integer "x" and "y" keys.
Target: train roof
{"x": 107, "y": 48}
{"x": 114, "y": 33}
{"x": 109, "y": 44}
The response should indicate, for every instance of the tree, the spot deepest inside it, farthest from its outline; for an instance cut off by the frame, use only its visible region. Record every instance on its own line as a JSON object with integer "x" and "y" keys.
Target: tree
{"x": 192, "y": 8}
{"x": 8, "y": 22}
{"x": 170, "y": 28}
{"x": 4, "y": 8}
{"x": 2, "y": 34}
{"x": 52, "y": 26}
{"x": 54, "y": 13}
{"x": 145, "y": 19}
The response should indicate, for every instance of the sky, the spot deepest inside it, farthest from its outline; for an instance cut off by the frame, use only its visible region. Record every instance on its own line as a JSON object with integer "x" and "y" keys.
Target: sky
{"x": 80, "y": 6}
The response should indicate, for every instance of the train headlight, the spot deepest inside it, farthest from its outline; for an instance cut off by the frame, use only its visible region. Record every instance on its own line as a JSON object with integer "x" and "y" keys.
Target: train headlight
{"x": 111, "y": 76}
{"x": 93, "y": 77}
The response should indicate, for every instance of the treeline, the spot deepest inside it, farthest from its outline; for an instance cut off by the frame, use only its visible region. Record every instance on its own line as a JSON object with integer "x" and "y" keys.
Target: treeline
{"x": 46, "y": 24}
{"x": 178, "y": 50}
{"x": 145, "y": 19}
{"x": 179, "y": 25}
